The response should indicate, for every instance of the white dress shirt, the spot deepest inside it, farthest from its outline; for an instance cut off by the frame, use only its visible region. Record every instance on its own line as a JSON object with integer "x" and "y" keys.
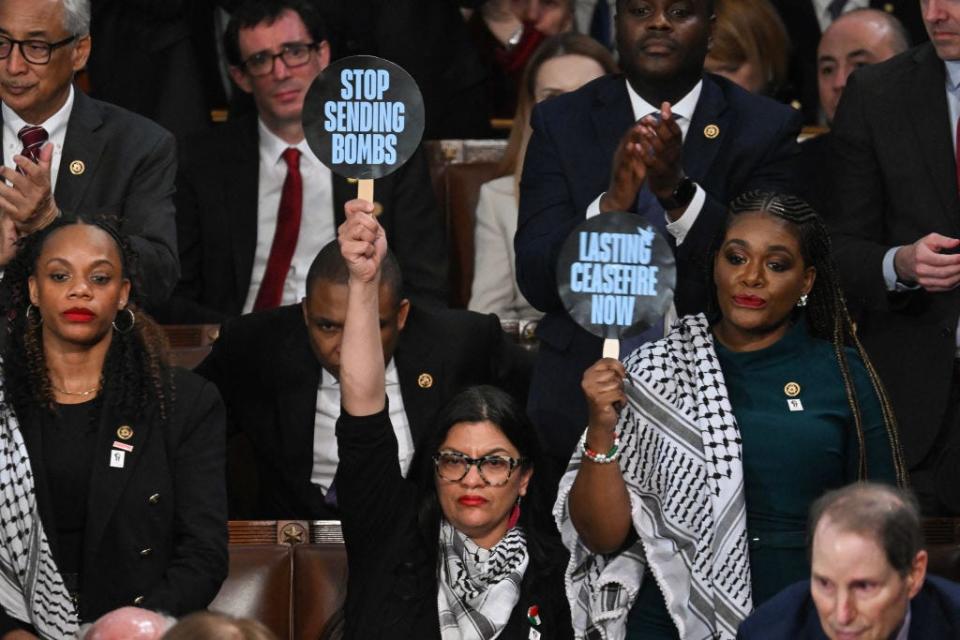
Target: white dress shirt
{"x": 316, "y": 221}
{"x": 56, "y": 126}
{"x": 682, "y": 113}
{"x": 820, "y": 7}
{"x": 325, "y": 458}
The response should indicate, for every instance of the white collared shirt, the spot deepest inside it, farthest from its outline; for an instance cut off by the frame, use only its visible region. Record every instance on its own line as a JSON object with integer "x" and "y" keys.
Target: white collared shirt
{"x": 316, "y": 221}
{"x": 683, "y": 113}
{"x": 56, "y": 126}
{"x": 820, "y": 7}
{"x": 325, "y": 458}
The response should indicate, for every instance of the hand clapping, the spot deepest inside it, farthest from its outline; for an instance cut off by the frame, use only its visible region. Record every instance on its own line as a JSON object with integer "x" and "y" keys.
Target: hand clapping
{"x": 27, "y": 198}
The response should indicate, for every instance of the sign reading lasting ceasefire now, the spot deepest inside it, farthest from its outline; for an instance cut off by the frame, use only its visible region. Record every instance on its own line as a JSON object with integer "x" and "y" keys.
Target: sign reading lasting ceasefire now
{"x": 363, "y": 117}
{"x": 616, "y": 275}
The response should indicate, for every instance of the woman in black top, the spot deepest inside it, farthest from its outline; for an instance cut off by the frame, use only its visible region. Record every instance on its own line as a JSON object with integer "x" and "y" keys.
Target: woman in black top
{"x": 452, "y": 555}
{"x": 118, "y": 494}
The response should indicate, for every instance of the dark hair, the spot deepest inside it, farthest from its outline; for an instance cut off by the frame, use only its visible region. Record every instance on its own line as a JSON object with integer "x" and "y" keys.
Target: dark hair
{"x": 887, "y": 514}
{"x": 709, "y": 4}
{"x": 562, "y": 44}
{"x": 330, "y": 266}
{"x": 135, "y": 373}
{"x": 488, "y": 403}
{"x": 252, "y": 12}
{"x": 826, "y": 311}
{"x": 212, "y": 625}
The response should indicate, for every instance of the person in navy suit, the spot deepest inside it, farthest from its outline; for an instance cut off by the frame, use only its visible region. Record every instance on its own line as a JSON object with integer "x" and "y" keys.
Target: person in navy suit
{"x": 700, "y": 141}
{"x": 868, "y": 577}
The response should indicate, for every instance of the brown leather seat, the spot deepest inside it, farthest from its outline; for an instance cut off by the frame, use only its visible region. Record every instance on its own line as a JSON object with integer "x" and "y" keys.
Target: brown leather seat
{"x": 463, "y": 191}
{"x": 258, "y": 586}
{"x": 319, "y": 586}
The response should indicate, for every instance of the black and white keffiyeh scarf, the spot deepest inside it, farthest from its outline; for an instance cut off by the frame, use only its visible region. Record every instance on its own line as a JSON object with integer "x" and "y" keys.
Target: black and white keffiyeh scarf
{"x": 31, "y": 589}
{"x": 681, "y": 460}
{"x": 478, "y": 587}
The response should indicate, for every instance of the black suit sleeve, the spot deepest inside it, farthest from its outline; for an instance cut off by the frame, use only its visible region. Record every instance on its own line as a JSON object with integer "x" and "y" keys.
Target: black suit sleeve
{"x": 859, "y": 196}
{"x": 149, "y": 220}
{"x": 199, "y": 561}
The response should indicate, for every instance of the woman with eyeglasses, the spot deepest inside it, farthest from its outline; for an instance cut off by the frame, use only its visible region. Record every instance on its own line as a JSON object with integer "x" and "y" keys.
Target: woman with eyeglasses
{"x": 465, "y": 548}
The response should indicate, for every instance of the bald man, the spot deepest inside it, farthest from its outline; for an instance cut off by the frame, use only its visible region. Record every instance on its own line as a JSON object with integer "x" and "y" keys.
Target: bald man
{"x": 129, "y": 623}
{"x": 854, "y": 40}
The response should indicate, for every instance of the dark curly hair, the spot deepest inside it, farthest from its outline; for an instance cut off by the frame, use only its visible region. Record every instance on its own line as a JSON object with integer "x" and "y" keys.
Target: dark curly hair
{"x": 135, "y": 373}
{"x": 826, "y": 310}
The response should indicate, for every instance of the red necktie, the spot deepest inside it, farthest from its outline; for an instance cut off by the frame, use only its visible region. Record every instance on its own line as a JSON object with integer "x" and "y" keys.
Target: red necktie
{"x": 285, "y": 239}
{"x": 33, "y": 139}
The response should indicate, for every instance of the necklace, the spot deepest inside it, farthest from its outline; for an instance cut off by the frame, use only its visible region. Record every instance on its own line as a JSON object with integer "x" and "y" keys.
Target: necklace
{"x": 75, "y": 393}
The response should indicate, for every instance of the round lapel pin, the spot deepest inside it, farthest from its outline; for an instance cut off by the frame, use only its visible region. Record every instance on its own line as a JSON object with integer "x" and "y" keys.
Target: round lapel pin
{"x": 425, "y": 380}
{"x": 77, "y": 167}
{"x": 792, "y": 389}
{"x": 711, "y": 131}
{"x": 124, "y": 432}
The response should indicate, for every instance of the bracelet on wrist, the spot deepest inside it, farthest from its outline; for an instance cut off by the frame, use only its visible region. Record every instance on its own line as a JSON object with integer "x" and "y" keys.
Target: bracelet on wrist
{"x": 601, "y": 458}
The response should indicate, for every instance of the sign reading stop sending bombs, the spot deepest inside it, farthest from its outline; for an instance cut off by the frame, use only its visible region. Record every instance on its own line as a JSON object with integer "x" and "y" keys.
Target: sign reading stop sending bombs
{"x": 616, "y": 275}
{"x": 363, "y": 117}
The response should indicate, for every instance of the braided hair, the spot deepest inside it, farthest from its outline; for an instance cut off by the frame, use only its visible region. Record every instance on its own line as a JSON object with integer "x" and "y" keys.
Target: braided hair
{"x": 135, "y": 373}
{"x": 826, "y": 311}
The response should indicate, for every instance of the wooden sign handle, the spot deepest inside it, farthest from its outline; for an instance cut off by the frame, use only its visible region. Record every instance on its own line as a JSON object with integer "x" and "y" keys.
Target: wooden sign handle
{"x": 611, "y": 348}
{"x": 365, "y": 190}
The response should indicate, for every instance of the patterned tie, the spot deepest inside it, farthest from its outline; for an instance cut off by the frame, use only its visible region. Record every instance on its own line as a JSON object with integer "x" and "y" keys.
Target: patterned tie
{"x": 33, "y": 139}
{"x": 285, "y": 239}
{"x": 835, "y": 8}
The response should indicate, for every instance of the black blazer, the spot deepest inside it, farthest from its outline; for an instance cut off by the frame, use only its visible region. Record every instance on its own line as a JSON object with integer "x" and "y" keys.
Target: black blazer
{"x": 392, "y": 580}
{"x": 804, "y": 31}
{"x": 217, "y": 224}
{"x": 156, "y": 533}
{"x": 568, "y": 165}
{"x": 128, "y": 170}
{"x": 891, "y": 190}
{"x": 791, "y": 614}
{"x": 268, "y": 376}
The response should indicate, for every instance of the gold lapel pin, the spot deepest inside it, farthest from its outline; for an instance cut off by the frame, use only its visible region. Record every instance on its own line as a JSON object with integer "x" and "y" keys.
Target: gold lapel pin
{"x": 125, "y": 432}
{"x": 425, "y": 380}
{"x": 77, "y": 167}
{"x": 792, "y": 389}
{"x": 711, "y": 131}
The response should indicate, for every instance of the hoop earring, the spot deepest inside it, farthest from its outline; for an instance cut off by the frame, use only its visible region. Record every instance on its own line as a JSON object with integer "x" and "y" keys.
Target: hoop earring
{"x": 129, "y": 327}
{"x": 32, "y": 315}
{"x": 802, "y": 302}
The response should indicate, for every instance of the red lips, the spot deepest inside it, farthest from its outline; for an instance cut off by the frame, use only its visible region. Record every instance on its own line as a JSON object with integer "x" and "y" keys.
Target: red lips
{"x": 751, "y": 302}
{"x": 79, "y": 314}
{"x": 472, "y": 501}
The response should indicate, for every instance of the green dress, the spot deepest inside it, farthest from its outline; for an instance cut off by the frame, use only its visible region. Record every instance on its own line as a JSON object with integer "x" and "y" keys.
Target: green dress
{"x": 790, "y": 457}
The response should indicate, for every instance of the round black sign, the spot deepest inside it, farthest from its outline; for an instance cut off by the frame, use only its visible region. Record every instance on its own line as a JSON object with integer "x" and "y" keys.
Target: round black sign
{"x": 363, "y": 117}
{"x": 616, "y": 275}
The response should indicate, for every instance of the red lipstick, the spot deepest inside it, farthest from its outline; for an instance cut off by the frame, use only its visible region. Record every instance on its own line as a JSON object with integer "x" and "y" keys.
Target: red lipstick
{"x": 472, "y": 501}
{"x": 79, "y": 314}
{"x": 752, "y": 302}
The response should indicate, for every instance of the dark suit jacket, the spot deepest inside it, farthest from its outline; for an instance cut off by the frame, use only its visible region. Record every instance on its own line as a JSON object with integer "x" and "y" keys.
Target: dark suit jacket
{"x": 268, "y": 376}
{"x": 129, "y": 168}
{"x": 167, "y": 552}
{"x": 568, "y": 165}
{"x": 791, "y": 614}
{"x": 217, "y": 225}
{"x": 804, "y": 31}
{"x": 814, "y": 172}
{"x": 896, "y": 182}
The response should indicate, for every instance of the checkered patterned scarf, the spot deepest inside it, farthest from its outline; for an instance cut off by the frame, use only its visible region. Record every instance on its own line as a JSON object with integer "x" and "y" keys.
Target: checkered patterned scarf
{"x": 31, "y": 589}
{"x": 478, "y": 587}
{"x": 681, "y": 460}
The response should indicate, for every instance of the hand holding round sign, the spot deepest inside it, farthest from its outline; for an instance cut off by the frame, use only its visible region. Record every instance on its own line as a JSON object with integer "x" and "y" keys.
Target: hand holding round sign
{"x": 363, "y": 117}
{"x": 616, "y": 275}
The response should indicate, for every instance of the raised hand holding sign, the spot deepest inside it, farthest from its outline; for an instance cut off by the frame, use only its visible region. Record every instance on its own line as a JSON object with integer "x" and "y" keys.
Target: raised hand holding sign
{"x": 363, "y": 117}
{"x": 616, "y": 276}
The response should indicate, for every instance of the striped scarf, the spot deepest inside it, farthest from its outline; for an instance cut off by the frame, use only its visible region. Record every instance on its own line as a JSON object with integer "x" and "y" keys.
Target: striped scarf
{"x": 31, "y": 589}
{"x": 681, "y": 461}
{"x": 478, "y": 587}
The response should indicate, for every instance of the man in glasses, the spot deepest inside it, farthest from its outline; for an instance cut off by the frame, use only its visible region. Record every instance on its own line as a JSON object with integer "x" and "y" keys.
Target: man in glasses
{"x": 66, "y": 154}
{"x": 255, "y": 205}
{"x": 278, "y": 372}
